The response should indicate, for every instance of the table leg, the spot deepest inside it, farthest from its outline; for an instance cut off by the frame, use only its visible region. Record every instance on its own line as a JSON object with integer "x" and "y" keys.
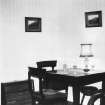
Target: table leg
{"x": 76, "y": 95}
{"x": 103, "y": 88}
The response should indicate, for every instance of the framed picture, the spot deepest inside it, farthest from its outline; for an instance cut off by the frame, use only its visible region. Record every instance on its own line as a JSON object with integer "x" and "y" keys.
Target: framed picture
{"x": 93, "y": 19}
{"x": 32, "y": 24}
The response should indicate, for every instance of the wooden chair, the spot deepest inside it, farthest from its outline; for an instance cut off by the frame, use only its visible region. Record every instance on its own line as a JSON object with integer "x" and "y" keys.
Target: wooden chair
{"x": 16, "y": 93}
{"x": 88, "y": 91}
{"x": 48, "y": 92}
{"x": 52, "y": 64}
{"x": 98, "y": 95}
{"x": 44, "y": 64}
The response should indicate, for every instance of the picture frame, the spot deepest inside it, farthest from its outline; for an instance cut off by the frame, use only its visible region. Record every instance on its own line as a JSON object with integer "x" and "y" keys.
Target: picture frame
{"x": 32, "y": 24}
{"x": 93, "y": 19}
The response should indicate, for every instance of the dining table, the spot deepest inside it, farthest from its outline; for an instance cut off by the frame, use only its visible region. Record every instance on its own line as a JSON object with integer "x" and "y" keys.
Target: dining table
{"x": 76, "y": 78}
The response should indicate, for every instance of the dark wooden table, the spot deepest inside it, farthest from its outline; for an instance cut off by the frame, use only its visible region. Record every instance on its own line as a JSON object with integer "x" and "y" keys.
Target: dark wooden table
{"x": 76, "y": 79}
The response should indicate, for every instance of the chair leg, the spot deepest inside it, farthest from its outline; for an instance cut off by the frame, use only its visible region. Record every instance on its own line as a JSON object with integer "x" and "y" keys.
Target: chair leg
{"x": 82, "y": 99}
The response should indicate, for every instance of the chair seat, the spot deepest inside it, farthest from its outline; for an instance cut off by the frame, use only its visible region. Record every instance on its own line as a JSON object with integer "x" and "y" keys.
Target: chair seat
{"x": 88, "y": 90}
{"x": 50, "y": 94}
{"x": 49, "y": 91}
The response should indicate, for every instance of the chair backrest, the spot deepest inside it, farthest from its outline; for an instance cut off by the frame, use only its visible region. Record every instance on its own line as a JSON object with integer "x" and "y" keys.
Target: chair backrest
{"x": 98, "y": 95}
{"x": 47, "y": 83}
{"x": 43, "y": 64}
{"x": 16, "y": 93}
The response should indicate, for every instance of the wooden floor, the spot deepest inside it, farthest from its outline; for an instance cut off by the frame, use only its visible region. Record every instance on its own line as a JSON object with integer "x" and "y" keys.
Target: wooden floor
{"x": 59, "y": 103}
{"x": 65, "y": 103}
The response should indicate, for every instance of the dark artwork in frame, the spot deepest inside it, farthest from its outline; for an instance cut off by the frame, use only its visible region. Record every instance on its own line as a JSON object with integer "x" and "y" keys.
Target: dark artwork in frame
{"x": 32, "y": 24}
{"x": 93, "y": 19}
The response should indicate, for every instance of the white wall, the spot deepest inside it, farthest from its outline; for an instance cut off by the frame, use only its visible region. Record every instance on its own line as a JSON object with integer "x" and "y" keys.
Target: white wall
{"x": 63, "y": 30}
